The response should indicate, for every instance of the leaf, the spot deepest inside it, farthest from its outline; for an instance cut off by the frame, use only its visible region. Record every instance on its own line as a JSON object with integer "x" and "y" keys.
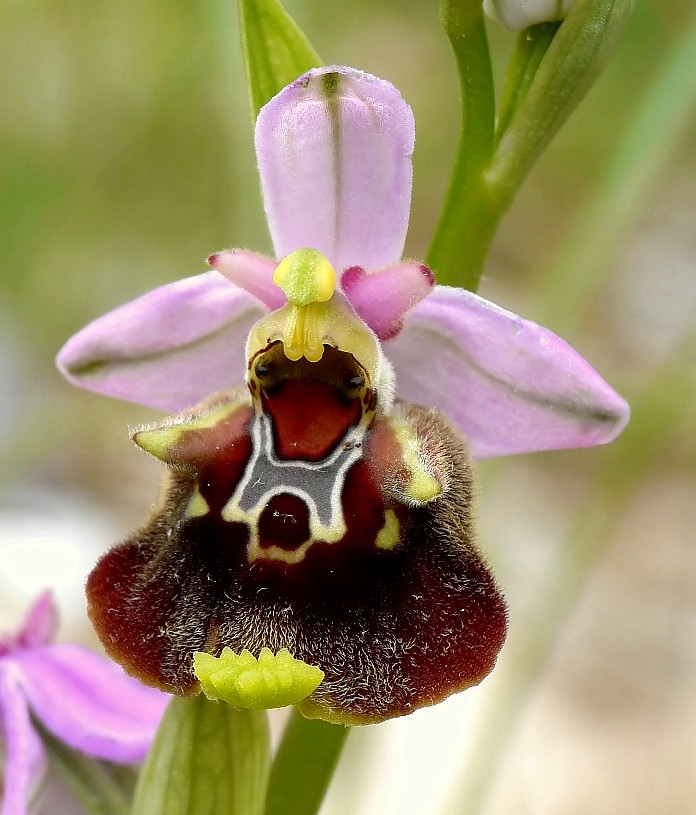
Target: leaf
{"x": 577, "y": 54}
{"x": 208, "y": 758}
{"x": 303, "y": 766}
{"x": 275, "y": 49}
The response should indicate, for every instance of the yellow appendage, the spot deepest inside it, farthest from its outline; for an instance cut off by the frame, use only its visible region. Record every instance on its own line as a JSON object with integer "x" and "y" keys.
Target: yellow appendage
{"x": 307, "y": 280}
{"x": 272, "y": 680}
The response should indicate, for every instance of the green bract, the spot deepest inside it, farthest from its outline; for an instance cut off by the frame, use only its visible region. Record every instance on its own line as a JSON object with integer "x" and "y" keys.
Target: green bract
{"x": 575, "y": 57}
{"x": 275, "y": 50}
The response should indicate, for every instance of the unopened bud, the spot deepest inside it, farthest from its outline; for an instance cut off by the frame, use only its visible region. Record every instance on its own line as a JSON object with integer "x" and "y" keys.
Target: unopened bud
{"x": 516, "y": 15}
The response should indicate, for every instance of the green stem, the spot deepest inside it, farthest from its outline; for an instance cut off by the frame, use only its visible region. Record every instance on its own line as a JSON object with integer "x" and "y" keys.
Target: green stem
{"x": 126, "y": 776}
{"x": 466, "y": 226}
{"x": 97, "y": 788}
{"x": 530, "y": 48}
{"x": 304, "y": 766}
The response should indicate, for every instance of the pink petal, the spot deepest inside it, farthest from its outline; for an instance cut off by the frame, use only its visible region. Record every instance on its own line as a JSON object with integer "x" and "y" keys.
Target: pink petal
{"x": 381, "y": 298}
{"x": 251, "y": 272}
{"x": 508, "y": 384}
{"x": 89, "y": 703}
{"x": 24, "y": 756}
{"x": 41, "y": 622}
{"x": 334, "y": 151}
{"x": 169, "y": 348}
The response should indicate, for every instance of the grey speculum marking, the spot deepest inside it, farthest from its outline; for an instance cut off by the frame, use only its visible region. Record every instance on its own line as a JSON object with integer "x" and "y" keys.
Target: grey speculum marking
{"x": 319, "y": 484}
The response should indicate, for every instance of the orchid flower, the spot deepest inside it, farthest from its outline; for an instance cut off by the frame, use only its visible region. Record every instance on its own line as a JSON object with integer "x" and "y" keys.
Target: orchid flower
{"x": 81, "y": 698}
{"x": 319, "y": 498}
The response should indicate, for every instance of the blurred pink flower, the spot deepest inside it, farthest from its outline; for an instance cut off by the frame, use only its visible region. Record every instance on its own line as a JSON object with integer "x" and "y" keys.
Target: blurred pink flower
{"x": 83, "y": 699}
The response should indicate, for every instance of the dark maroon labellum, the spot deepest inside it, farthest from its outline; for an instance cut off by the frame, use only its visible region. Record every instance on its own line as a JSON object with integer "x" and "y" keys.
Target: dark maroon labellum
{"x": 307, "y": 519}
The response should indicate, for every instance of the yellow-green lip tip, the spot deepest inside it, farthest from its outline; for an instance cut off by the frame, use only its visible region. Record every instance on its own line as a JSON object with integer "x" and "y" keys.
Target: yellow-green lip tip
{"x": 269, "y": 681}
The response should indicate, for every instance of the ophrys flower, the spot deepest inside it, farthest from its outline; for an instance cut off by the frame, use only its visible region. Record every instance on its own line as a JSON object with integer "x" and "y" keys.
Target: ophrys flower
{"x": 322, "y": 502}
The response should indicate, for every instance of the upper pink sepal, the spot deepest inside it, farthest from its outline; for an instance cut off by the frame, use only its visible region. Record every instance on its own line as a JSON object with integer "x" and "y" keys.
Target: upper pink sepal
{"x": 169, "y": 348}
{"x": 508, "y": 384}
{"x": 334, "y": 151}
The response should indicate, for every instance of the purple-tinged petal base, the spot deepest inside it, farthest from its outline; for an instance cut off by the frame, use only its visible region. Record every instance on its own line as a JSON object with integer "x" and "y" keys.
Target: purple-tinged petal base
{"x": 382, "y": 298}
{"x": 24, "y": 756}
{"x": 89, "y": 703}
{"x": 251, "y": 272}
{"x": 169, "y": 348}
{"x": 508, "y": 384}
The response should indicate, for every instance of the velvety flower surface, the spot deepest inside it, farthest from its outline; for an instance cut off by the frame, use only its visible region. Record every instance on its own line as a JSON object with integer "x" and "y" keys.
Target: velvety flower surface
{"x": 320, "y": 500}
{"x": 84, "y": 700}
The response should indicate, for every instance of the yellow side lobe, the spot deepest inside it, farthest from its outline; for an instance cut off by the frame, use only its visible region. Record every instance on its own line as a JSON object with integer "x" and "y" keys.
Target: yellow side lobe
{"x": 159, "y": 441}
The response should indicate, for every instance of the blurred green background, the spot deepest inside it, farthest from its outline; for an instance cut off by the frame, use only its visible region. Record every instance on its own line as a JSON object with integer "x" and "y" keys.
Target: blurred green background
{"x": 126, "y": 158}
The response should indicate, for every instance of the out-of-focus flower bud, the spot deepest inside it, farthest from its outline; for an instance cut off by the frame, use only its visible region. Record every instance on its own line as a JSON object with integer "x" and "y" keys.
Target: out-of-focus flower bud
{"x": 516, "y": 15}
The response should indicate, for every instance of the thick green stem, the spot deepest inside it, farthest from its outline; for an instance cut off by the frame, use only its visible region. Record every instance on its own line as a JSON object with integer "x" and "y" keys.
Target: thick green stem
{"x": 465, "y": 229}
{"x": 304, "y": 766}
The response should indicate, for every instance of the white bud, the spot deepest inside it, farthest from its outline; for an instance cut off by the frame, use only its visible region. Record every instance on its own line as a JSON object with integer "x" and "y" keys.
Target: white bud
{"x": 516, "y": 15}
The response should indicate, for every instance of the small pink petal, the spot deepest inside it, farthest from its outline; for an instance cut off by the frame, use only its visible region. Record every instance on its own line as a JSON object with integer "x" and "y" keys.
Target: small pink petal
{"x": 381, "y": 298}
{"x": 41, "y": 622}
{"x": 89, "y": 703}
{"x": 508, "y": 384}
{"x": 169, "y": 348}
{"x": 251, "y": 272}
{"x": 24, "y": 755}
{"x": 334, "y": 151}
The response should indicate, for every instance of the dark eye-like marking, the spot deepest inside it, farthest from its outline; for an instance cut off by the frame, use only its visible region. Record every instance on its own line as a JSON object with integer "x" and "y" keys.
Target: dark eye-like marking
{"x": 262, "y": 369}
{"x": 355, "y": 383}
